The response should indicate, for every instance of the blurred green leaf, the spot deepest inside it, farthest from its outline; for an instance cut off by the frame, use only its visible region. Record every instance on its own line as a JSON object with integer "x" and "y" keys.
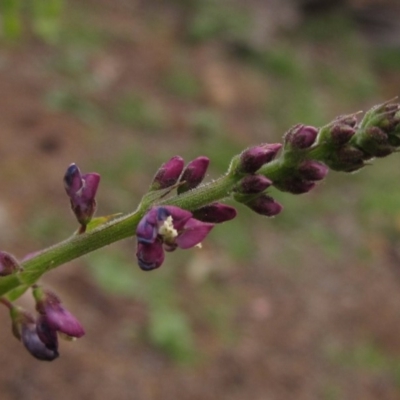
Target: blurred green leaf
{"x": 11, "y": 18}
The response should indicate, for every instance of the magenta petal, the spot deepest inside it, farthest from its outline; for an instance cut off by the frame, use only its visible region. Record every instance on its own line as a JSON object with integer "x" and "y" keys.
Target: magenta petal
{"x": 194, "y": 232}
{"x": 91, "y": 183}
{"x": 179, "y": 216}
{"x": 62, "y": 320}
{"x": 150, "y": 256}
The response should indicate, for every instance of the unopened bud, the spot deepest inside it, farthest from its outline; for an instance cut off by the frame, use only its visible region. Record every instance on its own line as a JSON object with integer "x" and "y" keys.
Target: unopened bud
{"x": 252, "y": 184}
{"x": 168, "y": 174}
{"x": 24, "y": 328}
{"x": 215, "y": 213}
{"x": 295, "y": 185}
{"x": 8, "y": 264}
{"x": 81, "y": 189}
{"x": 253, "y": 158}
{"x": 193, "y": 174}
{"x": 301, "y": 136}
{"x": 341, "y": 134}
{"x": 57, "y": 317}
{"x": 264, "y": 205}
{"x": 313, "y": 170}
{"x": 375, "y": 142}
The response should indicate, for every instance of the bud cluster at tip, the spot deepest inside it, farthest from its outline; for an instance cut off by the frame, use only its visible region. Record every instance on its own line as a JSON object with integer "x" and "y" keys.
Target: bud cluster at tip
{"x": 349, "y": 145}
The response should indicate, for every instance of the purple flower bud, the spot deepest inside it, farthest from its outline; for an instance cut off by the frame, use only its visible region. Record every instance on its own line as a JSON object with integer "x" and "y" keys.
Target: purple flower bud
{"x": 35, "y": 346}
{"x": 375, "y": 142}
{"x": 347, "y": 120}
{"x": 56, "y": 316}
{"x": 311, "y": 170}
{"x": 349, "y": 159}
{"x": 252, "y": 184}
{"x": 295, "y": 185}
{"x": 341, "y": 134}
{"x": 301, "y": 136}
{"x": 8, "y": 264}
{"x": 81, "y": 190}
{"x": 264, "y": 205}
{"x": 215, "y": 213}
{"x": 168, "y": 174}
{"x": 24, "y": 328}
{"x": 193, "y": 174}
{"x": 253, "y": 158}
{"x": 46, "y": 334}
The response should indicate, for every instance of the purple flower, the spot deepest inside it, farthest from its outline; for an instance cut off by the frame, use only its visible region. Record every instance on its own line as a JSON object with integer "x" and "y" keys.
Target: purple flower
{"x": 168, "y": 174}
{"x": 193, "y": 174}
{"x": 54, "y": 316}
{"x": 166, "y": 228}
{"x": 24, "y": 328}
{"x": 81, "y": 190}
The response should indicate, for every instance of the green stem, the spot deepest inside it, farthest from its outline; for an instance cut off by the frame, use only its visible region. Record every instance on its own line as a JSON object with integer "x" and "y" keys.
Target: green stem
{"x": 118, "y": 229}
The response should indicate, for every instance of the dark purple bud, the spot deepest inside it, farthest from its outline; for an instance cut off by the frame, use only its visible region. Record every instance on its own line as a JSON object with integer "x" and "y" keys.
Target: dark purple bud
{"x": 253, "y": 158}
{"x": 349, "y": 120}
{"x": 81, "y": 190}
{"x": 265, "y": 205}
{"x": 168, "y": 174}
{"x": 193, "y": 174}
{"x": 341, "y": 134}
{"x": 252, "y": 184}
{"x": 24, "y": 328}
{"x": 46, "y": 334}
{"x": 375, "y": 142}
{"x": 301, "y": 136}
{"x": 8, "y": 264}
{"x": 349, "y": 159}
{"x": 295, "y": 185}
{"x": 313, "y": 170}
{"x": 57, "y": 317}
{"x": 150, "y": 256}
{"x": 35, "y": 346}
{"x": 215, "y": 213}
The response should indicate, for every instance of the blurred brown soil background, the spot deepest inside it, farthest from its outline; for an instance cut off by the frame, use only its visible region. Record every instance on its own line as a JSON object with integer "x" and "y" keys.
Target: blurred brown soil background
{"x": 303, "y": 306}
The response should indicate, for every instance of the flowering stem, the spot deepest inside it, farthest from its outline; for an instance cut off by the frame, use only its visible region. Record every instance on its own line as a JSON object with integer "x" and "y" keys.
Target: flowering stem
{"x": 118, "y": 229}
{"x": 339, "y": 145}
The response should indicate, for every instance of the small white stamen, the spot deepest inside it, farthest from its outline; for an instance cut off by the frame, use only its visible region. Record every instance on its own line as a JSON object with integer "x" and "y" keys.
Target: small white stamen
{"x": 167, "y": 229}
{"x": 199, "y": 246}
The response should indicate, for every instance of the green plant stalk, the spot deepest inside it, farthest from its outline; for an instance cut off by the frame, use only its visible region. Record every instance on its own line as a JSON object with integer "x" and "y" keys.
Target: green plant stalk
{"x": 113, "y": 231}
